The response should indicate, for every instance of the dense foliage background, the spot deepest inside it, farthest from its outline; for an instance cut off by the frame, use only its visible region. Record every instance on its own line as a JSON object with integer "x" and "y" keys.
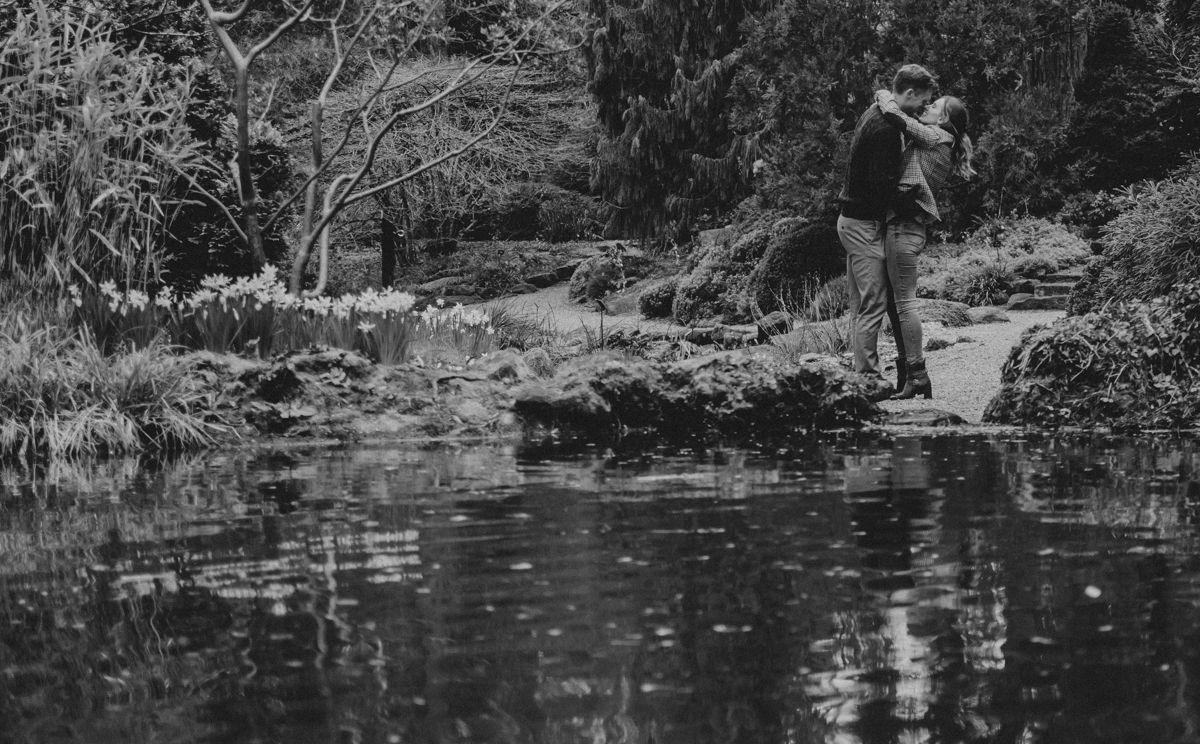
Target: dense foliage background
{"x": 654, "y": 118}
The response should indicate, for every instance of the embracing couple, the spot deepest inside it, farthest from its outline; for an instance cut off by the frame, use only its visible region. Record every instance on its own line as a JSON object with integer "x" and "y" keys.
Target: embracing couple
{"x": 905, "y": 147}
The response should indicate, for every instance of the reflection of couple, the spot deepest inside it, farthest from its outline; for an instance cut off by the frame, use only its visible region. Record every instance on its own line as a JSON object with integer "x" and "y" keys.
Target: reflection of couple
{"x": 904, "y": 149}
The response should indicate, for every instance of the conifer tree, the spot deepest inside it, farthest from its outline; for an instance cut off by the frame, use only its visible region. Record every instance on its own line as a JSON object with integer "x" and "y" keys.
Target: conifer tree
{"x": 660, "y": 72}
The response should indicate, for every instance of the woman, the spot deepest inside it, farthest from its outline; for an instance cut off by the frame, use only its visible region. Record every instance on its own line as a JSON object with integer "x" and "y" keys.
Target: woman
{"x": 939, "y": 148}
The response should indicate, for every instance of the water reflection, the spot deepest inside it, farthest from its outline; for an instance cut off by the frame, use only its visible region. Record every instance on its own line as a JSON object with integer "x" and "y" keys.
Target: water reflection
{"x": 905, "y": 589}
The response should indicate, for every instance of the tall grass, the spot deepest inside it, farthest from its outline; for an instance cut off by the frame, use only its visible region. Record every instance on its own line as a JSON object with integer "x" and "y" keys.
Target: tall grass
{"x": 820, "y": 321}
{"x": 60, "y": 395}
{"x": 92, "y": 139}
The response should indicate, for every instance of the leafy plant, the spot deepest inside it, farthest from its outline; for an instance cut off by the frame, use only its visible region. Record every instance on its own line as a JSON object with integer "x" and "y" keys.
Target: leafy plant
{"x": 95, "y": 142}
{"x": 1130, "y": 366}
{"x": 656, "y": 300}
{"x": 1152, "y": 246}
{"x": 60, "y": 395}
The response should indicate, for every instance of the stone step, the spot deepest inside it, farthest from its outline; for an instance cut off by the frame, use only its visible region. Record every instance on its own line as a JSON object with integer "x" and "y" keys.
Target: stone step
{"x": 1053, "y": 289}
{"x": 1033, "y": 302}
{"x": 1069, "y": 275}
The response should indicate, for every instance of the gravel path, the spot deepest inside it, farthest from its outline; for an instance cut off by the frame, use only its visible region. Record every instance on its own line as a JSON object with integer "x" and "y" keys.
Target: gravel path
{"x": 966, "y": 376}
{"x": 567, "y": 316}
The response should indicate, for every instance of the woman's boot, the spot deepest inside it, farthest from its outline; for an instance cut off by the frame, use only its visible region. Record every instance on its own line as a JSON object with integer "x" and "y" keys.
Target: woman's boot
{"x": 901, "y": 373}
{"x": 917, "y": 383}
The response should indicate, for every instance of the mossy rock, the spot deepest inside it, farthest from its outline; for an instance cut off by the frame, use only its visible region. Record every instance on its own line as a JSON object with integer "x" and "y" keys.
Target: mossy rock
{"x": 728, "y": 397}
{"x": 948, "y": 313}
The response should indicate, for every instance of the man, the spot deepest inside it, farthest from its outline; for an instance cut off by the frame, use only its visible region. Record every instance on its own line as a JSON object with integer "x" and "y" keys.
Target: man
{"x": 872, "y": 178}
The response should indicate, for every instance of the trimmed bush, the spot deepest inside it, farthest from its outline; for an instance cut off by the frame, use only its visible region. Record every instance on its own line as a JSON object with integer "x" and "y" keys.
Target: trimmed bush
{"x": 656, "y": 300}
{"x": 802, "y": 252}
{"x": 717, "y": 285}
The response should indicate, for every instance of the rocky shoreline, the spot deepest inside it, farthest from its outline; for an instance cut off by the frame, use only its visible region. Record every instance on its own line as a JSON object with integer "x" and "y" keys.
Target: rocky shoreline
{"x": 732, "y": 397}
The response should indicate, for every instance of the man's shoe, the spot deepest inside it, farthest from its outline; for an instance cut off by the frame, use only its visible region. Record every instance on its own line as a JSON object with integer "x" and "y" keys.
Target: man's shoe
{"x": 881, "y": 390}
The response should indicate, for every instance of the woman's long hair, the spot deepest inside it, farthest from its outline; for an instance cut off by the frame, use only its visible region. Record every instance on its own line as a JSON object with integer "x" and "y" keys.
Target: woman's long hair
{"x": 961, "y": 151}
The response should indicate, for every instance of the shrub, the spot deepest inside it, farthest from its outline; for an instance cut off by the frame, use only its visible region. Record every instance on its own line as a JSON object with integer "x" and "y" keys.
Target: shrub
{"x": 61, "y": 396}
{"x": 657, "y": 299}
{"x": 1132, "y": 365}
{"x": 596, "y": 277}
{"x": 566, "y": 215}
{"x": 1088, "y": 211}
{"x": 717, "y": 284}
{"x": 984, "y": 267}
{"x": 94, "y": 139}
{"x": 1034, "y": 267}
{"x": 1151, "y": 246}
{"x": 801, "y": 252}
{"x": 979, "y": 284}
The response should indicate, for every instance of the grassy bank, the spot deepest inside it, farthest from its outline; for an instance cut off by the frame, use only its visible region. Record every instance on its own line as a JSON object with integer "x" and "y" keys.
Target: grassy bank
{"x": 60, "y": 395}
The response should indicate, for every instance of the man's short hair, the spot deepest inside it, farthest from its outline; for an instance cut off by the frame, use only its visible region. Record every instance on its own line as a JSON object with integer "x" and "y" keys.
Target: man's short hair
{"x": 913, "y": 77}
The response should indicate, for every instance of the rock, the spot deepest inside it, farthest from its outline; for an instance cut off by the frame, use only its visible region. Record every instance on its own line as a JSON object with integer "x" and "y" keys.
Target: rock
{"x": 521, "y": 289}
{"x": 505, "y": 365}
{"x": 539, "y": 362}
{"x": 1018, "y": 297}
{"x": 452, "y": 300}
{"x": 594, "y": 278}
{"x": 471, "y": 412}
{"x": 327, "y": 360}
{"x": 1024, "y": 286}
{"x": 542, "y": 281}
{"x": 439, "y": 286}
{"x": 577, "y": 407}
{"x": 774, "y": 324}
{"x": 278, "y": 384}
{"x": 735, "y": 335}
{"x": 987, "y": 315}
{"x": 950, "y": 314}
{"x": 937, "y": 344}
{"x": 727, "y": 396}
{"x": 566, "y": 271}
{"x": 593, "y": 395}
{"x": 924, "y": 417}
{"x": 1030, "y": 302}
{"x": 701, "y": 336}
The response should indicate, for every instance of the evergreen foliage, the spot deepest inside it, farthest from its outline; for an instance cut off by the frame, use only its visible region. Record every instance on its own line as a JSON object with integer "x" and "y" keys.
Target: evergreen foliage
{"x": 659, "y": 71}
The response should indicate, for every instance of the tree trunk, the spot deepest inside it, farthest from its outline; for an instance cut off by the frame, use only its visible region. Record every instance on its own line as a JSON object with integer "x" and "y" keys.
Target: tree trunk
{"x": 246, "y": 191}
{"x": 300, "y": 263}
{"x": 393, "y": 242}
{"x": 387, "y": 246}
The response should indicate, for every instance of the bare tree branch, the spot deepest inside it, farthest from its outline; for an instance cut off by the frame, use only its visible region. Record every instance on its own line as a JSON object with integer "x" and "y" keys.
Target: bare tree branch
{"x": 280, "y": 30}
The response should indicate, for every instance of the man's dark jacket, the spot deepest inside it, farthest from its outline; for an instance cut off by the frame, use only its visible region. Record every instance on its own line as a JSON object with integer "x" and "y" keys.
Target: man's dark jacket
{"x": 873, "y": 173}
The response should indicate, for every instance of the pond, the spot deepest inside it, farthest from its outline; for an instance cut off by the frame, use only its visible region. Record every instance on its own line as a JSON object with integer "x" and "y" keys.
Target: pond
{"x": 860, "y": 588}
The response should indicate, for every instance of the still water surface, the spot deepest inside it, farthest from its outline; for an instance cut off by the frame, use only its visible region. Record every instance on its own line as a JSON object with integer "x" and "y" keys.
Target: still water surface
{"x": 866, "y": 589}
